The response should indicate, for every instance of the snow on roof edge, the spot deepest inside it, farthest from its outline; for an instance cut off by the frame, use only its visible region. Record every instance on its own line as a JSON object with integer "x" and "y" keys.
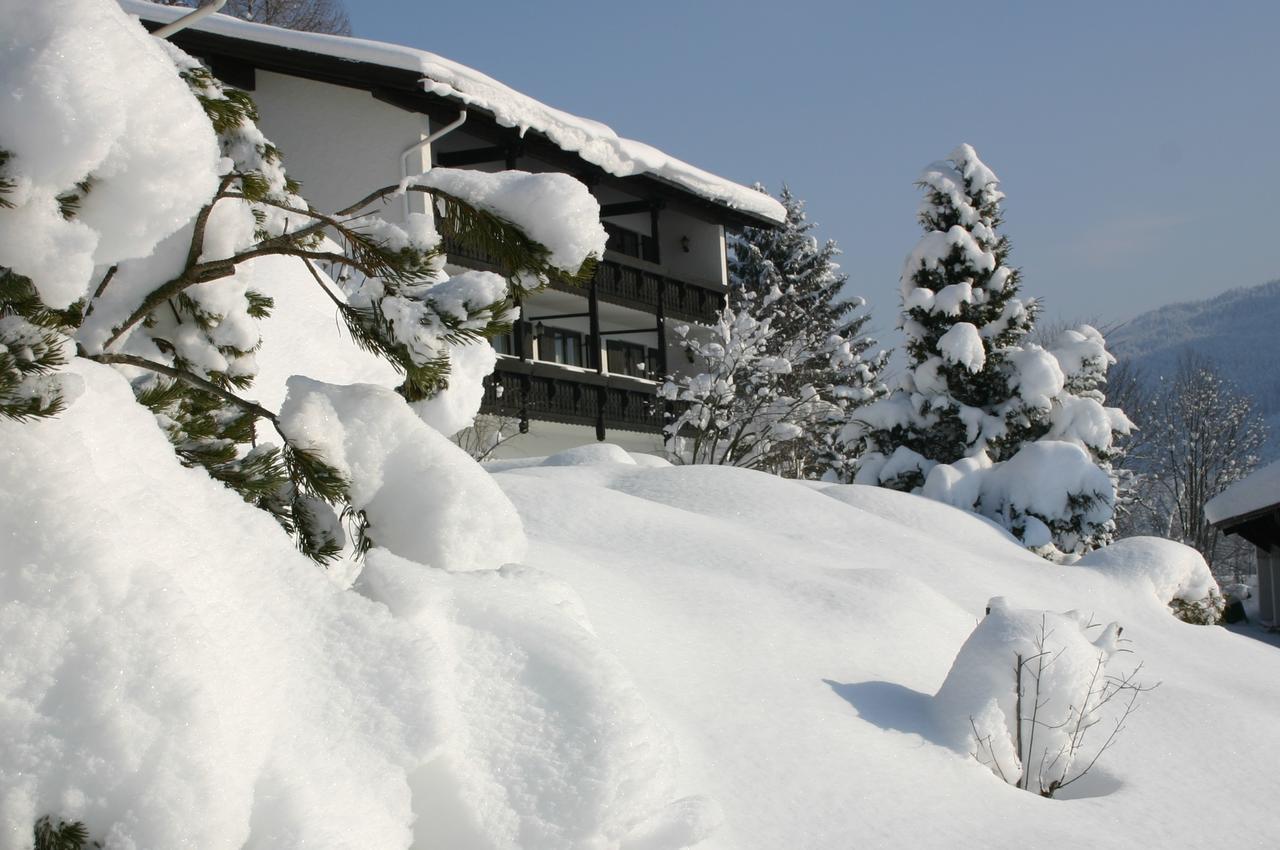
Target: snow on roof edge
{"x": 593, "y": 141}
{"x": 1255, "y": 492}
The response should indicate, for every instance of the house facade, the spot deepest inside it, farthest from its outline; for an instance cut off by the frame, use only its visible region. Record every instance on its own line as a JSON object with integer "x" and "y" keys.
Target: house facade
{"x": 583, "y": 363}
{"x": 1250, "y": 508}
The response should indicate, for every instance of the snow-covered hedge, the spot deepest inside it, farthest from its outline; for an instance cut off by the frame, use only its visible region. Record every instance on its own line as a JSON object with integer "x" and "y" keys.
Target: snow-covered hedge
{"x": 1173, "y": 573}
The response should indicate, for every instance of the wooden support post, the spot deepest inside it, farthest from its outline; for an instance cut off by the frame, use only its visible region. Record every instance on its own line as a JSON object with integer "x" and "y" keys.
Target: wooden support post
{"x": 593, "y": 311}
{"x": 518, "y": 331}
{"x": 653, "y": 231}
{"x": 601, "y": 397}
{"x": 668, "y": 409}
{"x": 662, "y": 328}
{"x": 526, "y": 387}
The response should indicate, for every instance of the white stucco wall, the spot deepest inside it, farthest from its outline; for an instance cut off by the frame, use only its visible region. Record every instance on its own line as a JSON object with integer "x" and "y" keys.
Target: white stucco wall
{"x": 340, "y": 143}
{"x": 704, "y": 261}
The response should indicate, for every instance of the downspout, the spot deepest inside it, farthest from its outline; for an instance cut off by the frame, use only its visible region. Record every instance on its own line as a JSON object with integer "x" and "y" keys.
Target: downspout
{"x": 187, "y": 20}
{"x": 417, "y": 146}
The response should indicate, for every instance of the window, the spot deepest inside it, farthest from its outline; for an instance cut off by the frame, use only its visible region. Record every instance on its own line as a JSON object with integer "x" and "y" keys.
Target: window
{"x": 628, "y": 358}
{"x": 561, "y": 345}
{"x": 631, "y": 243}
{"x": 506, "y": 343}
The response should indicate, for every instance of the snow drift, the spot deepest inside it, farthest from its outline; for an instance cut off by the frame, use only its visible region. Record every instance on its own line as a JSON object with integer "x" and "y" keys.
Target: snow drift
{"x": 176, "y": 675}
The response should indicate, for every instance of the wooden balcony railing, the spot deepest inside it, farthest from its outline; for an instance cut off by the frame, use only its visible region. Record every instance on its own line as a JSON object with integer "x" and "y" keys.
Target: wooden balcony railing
{"x": 529, "y": 389}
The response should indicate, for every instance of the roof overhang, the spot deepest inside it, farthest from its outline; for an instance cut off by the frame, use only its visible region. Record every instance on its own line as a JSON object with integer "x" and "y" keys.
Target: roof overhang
{"x": 403, "y": 88}
{"x": 1260, "y": 527}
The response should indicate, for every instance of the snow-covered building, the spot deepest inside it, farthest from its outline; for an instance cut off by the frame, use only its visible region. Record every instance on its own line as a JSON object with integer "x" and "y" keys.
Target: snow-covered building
{"x": 1251, "y": 509}
{"x": 353, "y": 115}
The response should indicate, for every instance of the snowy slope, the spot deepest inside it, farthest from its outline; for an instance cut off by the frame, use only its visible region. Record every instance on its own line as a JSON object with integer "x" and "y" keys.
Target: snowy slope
{"x": 793, "y": 636}
{"x": 176, "y": 675}
{"x": 1237, "y": 330}
{"x": 682, "y": 653}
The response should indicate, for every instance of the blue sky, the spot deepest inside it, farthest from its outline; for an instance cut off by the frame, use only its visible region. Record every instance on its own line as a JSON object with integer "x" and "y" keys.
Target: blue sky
{"x": 1137, "y": 142}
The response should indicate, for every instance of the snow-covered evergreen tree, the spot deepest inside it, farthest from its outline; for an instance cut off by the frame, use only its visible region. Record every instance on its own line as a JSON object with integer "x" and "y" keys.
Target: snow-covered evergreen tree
{"x": 164, "y": 289}
{"x": 784, "y": 277}
{"x": 981, "y": 407}
{"x": 962, "y": 318}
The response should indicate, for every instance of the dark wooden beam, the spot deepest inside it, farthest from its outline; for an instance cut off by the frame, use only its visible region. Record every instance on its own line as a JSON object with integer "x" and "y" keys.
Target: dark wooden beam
{"x": 630, "y": 208}
{"x": 558, "y": 316}
{"x": 234, "y": 72}
{"x": 478, "y": 156}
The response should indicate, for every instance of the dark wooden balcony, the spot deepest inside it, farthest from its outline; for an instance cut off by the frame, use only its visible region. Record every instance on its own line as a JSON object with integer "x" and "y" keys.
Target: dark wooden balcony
{"x": 532, "y": 389}
{"x": 627, "y": 282}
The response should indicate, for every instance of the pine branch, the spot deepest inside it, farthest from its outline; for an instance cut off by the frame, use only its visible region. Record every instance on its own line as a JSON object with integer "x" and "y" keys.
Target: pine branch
{"x": 188, "y": 377}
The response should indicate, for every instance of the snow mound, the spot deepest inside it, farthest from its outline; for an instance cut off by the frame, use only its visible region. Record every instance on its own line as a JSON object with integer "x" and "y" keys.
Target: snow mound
{"x": 553, "y": 746}
{"x": 590, "y": 454}
{"x": 648, "y": 460}
{"x": 177, "y": 675}
{"x": 1165, "y": 568}
{"x": 159, "y": 605}
{"x": 425, "y": 498}
{"x": 304, "y": 328}
{"x": 456, "y": 406}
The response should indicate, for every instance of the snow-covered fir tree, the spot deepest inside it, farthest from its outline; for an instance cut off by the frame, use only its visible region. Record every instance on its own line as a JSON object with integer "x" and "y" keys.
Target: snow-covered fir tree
{"x": 984, "y": 418}
{"x": 784, "y": 277}
{"x": 962, "y": 319}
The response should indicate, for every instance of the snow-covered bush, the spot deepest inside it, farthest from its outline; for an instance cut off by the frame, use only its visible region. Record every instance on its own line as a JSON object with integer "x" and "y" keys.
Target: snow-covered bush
{"x": 734, "y": 410}
{"x": 1027, "y": 688}
{"x": 978, "y": 394}
{"x": 1173, "y": 573}
{"x": 133, "y": 212}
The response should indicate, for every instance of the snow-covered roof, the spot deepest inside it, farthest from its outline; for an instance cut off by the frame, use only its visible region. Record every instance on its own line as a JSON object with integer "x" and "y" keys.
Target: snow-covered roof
{"x": 594, "y": 142}
{"x": 1257, "y": 492}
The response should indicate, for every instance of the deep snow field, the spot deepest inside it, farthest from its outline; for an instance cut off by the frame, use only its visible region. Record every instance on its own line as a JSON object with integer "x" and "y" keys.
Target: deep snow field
{"x": 595, "y": 650}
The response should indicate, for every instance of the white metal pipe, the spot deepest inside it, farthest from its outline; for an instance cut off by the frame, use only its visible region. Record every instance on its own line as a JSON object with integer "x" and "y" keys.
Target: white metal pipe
{"x": 187, "y": 20}
{"x": 404, "y": 157}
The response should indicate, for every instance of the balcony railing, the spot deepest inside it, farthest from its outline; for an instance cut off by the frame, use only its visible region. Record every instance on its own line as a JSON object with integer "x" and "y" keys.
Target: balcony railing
{"x": 530, "y": 389}
{"x": 626, "y": 282}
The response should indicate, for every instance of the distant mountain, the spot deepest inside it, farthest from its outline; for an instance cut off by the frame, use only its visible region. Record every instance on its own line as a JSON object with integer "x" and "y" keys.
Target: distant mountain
{"x": 1238, "y": 330}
